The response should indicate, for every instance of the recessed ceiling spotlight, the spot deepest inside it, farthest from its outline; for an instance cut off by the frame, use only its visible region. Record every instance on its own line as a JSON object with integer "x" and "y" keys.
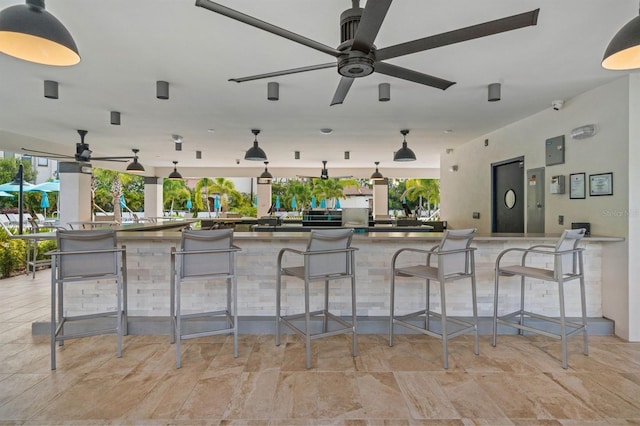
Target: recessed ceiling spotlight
{"x": 326, "y": 131}
{"x": 211, "y": 130}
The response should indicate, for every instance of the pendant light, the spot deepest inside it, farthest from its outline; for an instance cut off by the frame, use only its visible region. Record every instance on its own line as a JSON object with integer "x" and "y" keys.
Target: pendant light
{"x": 174, "y": 174}
{"x": 404, "y": 153}
{"x": 265, "y": 177}
{"x": 255, "y": 153}
{"x": 29, "y": 32}
{"x": 135, "y": 167}
{"x": 623, "y": 52}
{"x": 377, "y": 175}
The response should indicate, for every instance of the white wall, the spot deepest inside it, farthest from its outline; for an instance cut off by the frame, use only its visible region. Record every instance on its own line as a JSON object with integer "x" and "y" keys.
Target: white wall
{"x": 609, "y": 107}
{"x": 607, "y": 151}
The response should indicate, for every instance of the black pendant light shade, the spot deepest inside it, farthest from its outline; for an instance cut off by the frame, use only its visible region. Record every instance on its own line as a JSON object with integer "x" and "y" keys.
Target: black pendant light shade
{"x": 255, "y": 153}
{"x": 623, "y": 52}
{"x": 134, "y": 166}
{"x": 29, "y": 32}
{"x": 377, "y": 175}
{"x": 266, "y": 174}
{"x": 174, "y": 174}
{"x": 404, "y": 153}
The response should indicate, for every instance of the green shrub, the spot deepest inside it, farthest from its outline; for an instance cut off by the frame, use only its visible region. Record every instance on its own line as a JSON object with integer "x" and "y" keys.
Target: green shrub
{"x": 12, "y": 255}
{"x": 44, "y": 247}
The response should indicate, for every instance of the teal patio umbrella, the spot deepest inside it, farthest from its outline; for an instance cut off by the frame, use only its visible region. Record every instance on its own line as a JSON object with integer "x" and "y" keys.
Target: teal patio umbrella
{"x": 323, "y": 204}
{"x": 52, "y": 185}
{"x": 313, "y": 201}
{"x": 216, "y": 203}
{"x": 44, "y": 203}
{"x": 338, "y": 204}
{"x": 277, "y": 206}
{"x": 5, "y": 194}
{"x": 189, "y": 204}
{"x": 12, "y": 187}
{"x": 294, "y": 203}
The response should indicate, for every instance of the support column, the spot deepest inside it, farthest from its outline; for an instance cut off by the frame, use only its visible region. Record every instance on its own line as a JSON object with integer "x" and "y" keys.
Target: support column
{"x": 380, "y": 197}
{"x": 264, "y": 198}
{"x": 153, "y": 201}
{"x": 75, "y": 193}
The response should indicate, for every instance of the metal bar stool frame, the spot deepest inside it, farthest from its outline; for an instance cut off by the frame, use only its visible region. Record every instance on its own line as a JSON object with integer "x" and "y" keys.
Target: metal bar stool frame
{"x": 562, "y": 272}
{"x": 304, "y": 273}
{"x": 188, "y": 258}
{"x": 65, "y": 270}
{"x": 443, "y": 273}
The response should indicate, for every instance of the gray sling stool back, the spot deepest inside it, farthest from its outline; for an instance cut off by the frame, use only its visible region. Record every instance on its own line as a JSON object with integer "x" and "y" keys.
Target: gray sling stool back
{"x": 455, "y": 261}
{"x": 204, "y": 255}
{"x": 566, "y": 259}
{"x": 328, "y": 256}
{"x": 92, "y": 258}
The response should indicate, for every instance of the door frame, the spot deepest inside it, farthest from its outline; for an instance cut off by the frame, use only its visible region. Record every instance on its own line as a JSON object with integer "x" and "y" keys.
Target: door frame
{"x": 493, "y": 186}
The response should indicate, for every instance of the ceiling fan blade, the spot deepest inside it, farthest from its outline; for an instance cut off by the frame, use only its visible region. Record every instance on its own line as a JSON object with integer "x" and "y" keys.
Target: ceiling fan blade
{"x": 116, "y": 159}
{"x": 370, "y": 23}
{"x": 48, "y": 154}
{"x": 342, "y": 90}
{"x": 255, "y": 22}
{"x": 463, "y": 34}
{"x": 284, "y": 72}
{"x": 415, "y": 76}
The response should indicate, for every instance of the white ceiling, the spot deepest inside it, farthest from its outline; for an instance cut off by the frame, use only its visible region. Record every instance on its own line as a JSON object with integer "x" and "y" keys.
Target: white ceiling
{"x": 127, "y": 45}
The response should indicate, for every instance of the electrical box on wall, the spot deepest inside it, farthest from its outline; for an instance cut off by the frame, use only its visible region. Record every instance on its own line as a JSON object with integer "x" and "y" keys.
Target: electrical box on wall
{"x": 554, "y": 150}
{"x": 557, "y": 185}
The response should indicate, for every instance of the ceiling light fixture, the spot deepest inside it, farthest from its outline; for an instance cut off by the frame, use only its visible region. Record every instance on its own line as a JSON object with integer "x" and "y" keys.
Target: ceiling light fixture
{"x": 494, "y": 92}
{"x": 30, "y": 33}
{"x": 623, "y": 52}
{"x": 347, "y": 155}
{"x": 377, "y": 175}
{"x": 135, "y": 167}
{"x": 273, "y": 91}
{"x": 296, "y": 155}
{"x": 266, "y": 174}
{"x": 404, "y": 153}
{"x": 326, "y": 131}
{"x": 174, "y": 174}
{"x": 177, "y": 139}
{"x": 51, "y": 89}
{"x": 384, "y": 92}
{"x": 162, "y": 89}
{"x": 115, "y": 118}
{"x": 255, "y": 153}
{"x": 198, "y": 155}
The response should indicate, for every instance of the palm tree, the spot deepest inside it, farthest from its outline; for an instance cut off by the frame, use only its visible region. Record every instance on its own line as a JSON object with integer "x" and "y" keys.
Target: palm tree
{"x": 330, "y": 189}
{"x": 175, "y": 190}
{"x": 201, "y": 191}
{"x": 423, "y": 189}
{"x": 301, "y": 191}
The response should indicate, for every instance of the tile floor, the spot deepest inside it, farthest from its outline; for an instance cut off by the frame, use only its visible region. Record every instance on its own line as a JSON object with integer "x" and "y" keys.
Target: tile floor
{"x": 519, "y": 382}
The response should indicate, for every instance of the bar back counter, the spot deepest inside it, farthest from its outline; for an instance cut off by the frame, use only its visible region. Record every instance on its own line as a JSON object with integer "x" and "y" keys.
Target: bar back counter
{"x": 148, "y": 261}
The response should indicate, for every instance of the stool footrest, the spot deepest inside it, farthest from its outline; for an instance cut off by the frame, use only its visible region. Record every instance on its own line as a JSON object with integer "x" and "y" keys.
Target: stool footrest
{"x": 347, "y": 327}
{"x": 403, "y": 321}
{"x": 508, "y": 321}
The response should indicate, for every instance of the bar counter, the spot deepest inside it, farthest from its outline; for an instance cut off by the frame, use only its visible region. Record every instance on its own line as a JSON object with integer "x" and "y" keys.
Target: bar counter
{"x": 148, "y": 265}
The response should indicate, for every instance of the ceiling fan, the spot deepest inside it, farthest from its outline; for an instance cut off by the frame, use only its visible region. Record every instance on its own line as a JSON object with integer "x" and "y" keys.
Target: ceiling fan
{"x": 324, "y": 173}
{"x": 83, "y": 153}
{"x": 357, "y": 56}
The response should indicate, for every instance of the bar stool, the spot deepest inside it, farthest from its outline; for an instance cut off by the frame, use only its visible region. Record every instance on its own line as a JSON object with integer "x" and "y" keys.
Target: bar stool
{"x": 204, "y": 256}
{"x": 87, "y": 256}
{"x": 455, "y": 261}
{"x": 567, "y": 266}
{"x": 329, "y": 256}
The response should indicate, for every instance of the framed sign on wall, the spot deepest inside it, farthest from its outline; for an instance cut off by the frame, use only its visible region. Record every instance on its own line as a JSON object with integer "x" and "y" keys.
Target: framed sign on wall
{"x": 601, "y": 184}
{"x": 577, "y": 186}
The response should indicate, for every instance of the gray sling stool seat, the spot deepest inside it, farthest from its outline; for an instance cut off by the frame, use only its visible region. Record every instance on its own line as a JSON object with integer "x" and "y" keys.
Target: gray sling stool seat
{"x": 204, "y": 255}
{"x": 329, "y": 256}
{"x": 455, "y": 261}
{"x": 89, "y": 260}
{"x": 566, "y": 259}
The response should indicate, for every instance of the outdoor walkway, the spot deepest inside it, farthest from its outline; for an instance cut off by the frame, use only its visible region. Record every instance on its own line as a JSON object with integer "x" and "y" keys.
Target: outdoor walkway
{"x": 519, "y": 382}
